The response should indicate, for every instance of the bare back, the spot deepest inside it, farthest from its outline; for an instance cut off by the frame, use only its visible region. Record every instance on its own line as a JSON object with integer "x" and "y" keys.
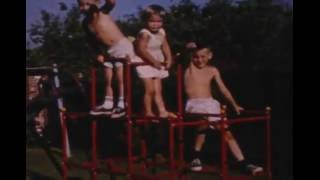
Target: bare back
{"x": 105, "y": 29}
{"x": 197, "y": 81}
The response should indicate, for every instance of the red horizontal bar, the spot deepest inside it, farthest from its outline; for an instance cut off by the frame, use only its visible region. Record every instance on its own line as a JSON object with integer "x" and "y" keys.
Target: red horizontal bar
{"x": 202, "y": 114}
{"x": 150, "y": 120}
{"x": 193, "y": 123}
{"x": 254, "y": 111}
{"x": 249, "y": 119}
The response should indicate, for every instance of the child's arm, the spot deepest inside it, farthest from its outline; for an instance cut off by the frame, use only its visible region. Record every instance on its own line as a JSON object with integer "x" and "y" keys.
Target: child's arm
{"x": 142, "y": 45}
{"x": 95, "y": 50}
{"x": 167, "y": 53}
{"x": 225, "y": 91}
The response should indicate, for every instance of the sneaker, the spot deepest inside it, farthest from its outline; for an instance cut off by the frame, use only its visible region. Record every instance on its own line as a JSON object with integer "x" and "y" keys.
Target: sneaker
{"x": 196, "y": 165}
{"x": 253, "y": 169}
{"x": 118, "y": 112}
{"x": 101, "y": 110}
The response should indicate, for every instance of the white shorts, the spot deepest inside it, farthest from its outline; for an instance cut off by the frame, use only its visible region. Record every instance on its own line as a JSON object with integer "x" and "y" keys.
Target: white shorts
{"x": 151, "y": 72}
{"x": 204, "y": 105}
{"x": 122, "y": 49}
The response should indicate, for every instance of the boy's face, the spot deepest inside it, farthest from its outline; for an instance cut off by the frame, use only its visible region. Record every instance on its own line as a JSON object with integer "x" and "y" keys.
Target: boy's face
{"x": 200, "y": 58}
{"x": 154, "y": 23}
{"x": 85, "y": 5}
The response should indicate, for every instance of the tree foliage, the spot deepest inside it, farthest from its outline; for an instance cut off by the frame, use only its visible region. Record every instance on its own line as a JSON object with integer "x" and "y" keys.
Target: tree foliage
{"x": 252, "y": 35}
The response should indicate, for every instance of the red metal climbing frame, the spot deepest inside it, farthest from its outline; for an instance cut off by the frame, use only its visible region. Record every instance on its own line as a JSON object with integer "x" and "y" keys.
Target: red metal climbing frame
{"x": 175, "y": 166}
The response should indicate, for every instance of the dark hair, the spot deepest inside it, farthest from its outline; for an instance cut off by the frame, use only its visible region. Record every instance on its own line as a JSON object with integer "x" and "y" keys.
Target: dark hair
{"x": 152, "y": 9}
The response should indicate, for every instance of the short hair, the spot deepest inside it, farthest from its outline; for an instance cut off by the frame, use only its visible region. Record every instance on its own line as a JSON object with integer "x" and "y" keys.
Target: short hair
{"x": 152, "y": 9}
{"x": 199, "y": 46}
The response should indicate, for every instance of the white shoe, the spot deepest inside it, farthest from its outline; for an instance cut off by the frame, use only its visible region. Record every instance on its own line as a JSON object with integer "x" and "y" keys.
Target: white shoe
{"x": 196, "y": 165}
{"x": 254, "y": 169}
{"x": 101, "y": 110}
{"x": 118, "y": 112}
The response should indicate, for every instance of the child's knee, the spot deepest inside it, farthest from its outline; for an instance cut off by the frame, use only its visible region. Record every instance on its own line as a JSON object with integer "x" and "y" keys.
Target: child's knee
{"x": 157, "y": 95}
{"x": 149, "y": 92}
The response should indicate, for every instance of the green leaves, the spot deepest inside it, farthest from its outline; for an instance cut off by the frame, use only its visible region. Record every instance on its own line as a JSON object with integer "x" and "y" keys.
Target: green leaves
{"x": 252, "y": 34}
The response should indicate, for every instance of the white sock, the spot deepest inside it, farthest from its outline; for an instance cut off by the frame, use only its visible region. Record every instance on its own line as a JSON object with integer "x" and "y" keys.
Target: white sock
{"x": 121, "y": 102}
{"x": 108, "y": 102}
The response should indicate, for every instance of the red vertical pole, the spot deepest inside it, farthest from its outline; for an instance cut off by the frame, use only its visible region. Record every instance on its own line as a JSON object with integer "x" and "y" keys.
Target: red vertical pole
{"x": 224, "y": 172}
{"x": 94, "y": 125}
{"x": 94, "y": 150}
{"x": 128, "y": 89}
{"x": 180, "y": 88}
{"x": 268, "y": 143}
{"x": 180, "y": 110}
{"x": 93, "y": 87}
{"x": 143, "y": 147}
{"x": 143, "y": 142}
{"x": 130, "y": 163}
{"x": 171, "y": 145}
{"x": 64, "y": 147}
{"x": 171, "y": 151}
{"x": 128, "y": 97}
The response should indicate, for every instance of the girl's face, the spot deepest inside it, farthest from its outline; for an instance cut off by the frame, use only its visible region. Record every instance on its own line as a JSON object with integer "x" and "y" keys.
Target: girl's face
{"x": 154, "y": 23}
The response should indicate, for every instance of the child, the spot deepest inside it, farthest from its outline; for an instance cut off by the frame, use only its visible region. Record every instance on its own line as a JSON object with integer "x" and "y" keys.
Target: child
{"x": 153, "y": 48}
{"x": 197, "y": 80}
{"x": 103, "y": 32}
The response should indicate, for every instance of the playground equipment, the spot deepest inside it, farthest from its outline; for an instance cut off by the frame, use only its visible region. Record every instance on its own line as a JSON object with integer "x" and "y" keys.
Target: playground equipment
{"x": 36, "y": 104}
{"x": 176, "y": 168}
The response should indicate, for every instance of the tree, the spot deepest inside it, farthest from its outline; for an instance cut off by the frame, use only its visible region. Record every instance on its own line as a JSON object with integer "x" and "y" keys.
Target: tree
{"x": 252, "y": 35}
{"x": 59, "y": 40}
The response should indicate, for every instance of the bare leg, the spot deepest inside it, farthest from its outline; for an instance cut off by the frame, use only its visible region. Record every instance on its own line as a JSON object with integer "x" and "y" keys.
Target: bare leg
{"x": 108, "y": 78}
{"x": 234, "y": 147}
{"x": 107, "y": 105}
{"x": 159, "y": 99}
{"x": 149, "y": 93}
{"x": 237, "y": 153}
{"x": 200, "y": 138}
{"x": 119, "y": 72}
